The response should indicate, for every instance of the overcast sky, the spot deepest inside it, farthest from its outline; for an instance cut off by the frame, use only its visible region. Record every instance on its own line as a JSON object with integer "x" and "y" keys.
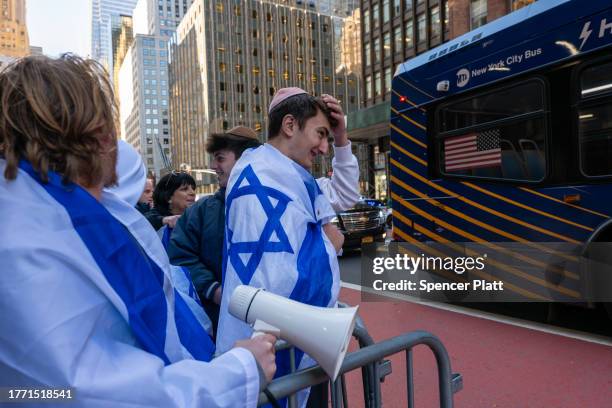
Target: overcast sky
{"x": 59, "y": 26}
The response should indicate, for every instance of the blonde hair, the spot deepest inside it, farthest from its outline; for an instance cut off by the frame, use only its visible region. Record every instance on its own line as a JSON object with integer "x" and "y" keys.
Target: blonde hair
{"x": 54, "y": 113}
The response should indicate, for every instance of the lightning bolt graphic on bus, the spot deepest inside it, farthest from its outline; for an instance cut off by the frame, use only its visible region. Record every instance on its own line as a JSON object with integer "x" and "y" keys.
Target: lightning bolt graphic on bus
{"x": 585, "y": 34}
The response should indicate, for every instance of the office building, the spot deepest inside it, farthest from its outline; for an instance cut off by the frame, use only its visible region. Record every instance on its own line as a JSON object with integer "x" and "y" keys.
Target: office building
{"x": 122, "y": 36}
{"x": 101, "y": 14}
{"x": 14, "y": 41}
{"x": 228, "y": 59}
{"x": 143, "y": 80}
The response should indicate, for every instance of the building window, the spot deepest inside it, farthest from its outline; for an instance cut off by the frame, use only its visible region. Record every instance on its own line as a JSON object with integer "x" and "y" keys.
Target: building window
{"x": 435, "y": 23}
{"x": 255, "y": 34}
{"x": 386, "y": 11}
{"x": 388, "y": 79}
{"x": 409, "y": 34}
{"x": 396, "y": 8}
{"x": 387, "y": 44}
{"x": 272, "y": 91}
{"x": 366, "y": 21}
{"x": 238, "y": 69}
{"x": 397, "y": 38}
{"x": 407, "y": 6}
{"x": 478, "y": 13}
{"x": 254, "y": 13}
{"x": 375, "y": 20}
{"x": 240, "y": 88}
{"x": 237, "y": 11}
{"x": 256, "y": 90}
{"x": 222, "y": 86}
{"x": 377, "y": 84}
{"x": 446, "y": 16}
{"x": 268, "y": 16}
{"x": 222, "y": 66}
{"x": 366, "y": 54}
{"x": 421, "y": 28}
{"x": 368, "y": 85}
{"x": 377, "y": 50}
{"x": 255, "y": 70}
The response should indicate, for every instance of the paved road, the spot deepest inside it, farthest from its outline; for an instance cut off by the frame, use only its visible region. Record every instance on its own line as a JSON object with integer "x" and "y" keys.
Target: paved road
{"x": 502, "y": 365}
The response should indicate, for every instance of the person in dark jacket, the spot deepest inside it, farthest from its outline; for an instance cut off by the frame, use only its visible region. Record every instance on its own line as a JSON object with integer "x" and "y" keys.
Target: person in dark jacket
{"x": 171, "y": 197}
{"x": 197, "y": 240}
{"x": 145, "y": 202}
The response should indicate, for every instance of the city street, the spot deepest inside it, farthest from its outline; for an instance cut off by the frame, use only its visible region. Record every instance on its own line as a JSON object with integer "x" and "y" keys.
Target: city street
{"x": 505, "y": 361}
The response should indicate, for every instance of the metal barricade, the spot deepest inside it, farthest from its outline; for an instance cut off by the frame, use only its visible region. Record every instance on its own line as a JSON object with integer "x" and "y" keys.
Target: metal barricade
{"x": 370, "y": 358}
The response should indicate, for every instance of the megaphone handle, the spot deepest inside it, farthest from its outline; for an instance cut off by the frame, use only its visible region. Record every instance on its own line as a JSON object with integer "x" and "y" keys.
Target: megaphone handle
{"x": 260, "y": 328}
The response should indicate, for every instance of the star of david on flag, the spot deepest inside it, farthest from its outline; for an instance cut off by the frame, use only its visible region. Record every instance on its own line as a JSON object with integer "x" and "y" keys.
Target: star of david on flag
{"x": 246, "y": 256}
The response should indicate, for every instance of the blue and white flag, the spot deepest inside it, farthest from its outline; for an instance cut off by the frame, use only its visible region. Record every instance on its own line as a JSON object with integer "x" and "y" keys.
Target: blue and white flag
{"x": 90, "y": 302}
{"x": 184, "y": 285}
{"x": 275, "y": 212}
{"x": 142, "y": 290}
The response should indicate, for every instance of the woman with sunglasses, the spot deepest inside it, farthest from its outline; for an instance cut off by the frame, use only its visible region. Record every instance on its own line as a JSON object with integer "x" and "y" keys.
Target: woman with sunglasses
{"x": 173, "y": 194}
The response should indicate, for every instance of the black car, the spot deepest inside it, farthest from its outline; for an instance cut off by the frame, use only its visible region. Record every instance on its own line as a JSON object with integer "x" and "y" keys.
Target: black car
{"x": 362, "y": 224}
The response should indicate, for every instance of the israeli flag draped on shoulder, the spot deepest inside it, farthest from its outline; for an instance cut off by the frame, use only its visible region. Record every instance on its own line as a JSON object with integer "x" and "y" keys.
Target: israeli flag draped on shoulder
{"x": 134, "y": 270}
{"x": 184, "y": 285}
{"x": 274, "y": 237}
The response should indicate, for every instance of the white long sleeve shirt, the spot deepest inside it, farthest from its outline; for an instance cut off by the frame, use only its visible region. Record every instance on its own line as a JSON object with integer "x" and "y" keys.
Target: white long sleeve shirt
{"x": 342, "y": 189}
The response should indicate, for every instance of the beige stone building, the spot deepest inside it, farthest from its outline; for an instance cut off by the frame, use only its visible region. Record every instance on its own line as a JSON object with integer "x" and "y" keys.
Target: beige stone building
{"x": 14, "y": 41}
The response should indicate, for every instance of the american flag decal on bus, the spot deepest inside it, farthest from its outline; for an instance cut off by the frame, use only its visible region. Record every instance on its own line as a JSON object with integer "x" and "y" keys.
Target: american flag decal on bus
{"x": 472, "y": 151}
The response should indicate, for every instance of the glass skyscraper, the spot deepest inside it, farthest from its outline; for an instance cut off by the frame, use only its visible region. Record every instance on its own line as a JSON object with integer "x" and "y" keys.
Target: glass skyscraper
{"x": 101, "y": 11}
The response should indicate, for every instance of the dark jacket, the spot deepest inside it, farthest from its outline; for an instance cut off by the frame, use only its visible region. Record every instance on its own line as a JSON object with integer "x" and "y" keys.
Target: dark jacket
{"x": 156, "y": 218}
{"x": 143, "y": 207}
{"x": 197, "y": 243}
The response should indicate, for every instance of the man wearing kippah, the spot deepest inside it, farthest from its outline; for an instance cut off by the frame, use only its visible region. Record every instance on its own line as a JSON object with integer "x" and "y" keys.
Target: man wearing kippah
{"x": 277, "y": 234}
{"x": 197, "y": 240}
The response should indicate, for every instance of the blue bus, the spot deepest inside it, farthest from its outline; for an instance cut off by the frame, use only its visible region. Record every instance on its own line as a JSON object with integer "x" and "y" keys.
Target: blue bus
{"x": 504, "y": 135}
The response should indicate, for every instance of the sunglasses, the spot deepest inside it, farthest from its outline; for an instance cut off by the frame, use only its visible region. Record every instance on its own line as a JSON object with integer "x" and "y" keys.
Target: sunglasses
{"x": 172, "y": 174}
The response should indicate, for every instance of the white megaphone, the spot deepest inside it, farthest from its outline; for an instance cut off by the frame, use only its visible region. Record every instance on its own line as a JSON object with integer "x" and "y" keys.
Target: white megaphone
{"x": 323, "y": 333}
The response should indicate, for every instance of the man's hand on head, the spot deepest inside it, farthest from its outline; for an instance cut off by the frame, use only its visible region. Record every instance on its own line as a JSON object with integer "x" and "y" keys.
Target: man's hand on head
{"x": 339, "y": 131}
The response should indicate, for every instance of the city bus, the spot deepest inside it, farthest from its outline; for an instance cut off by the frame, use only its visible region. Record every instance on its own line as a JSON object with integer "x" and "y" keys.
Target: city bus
{"x": 504, "y": 135}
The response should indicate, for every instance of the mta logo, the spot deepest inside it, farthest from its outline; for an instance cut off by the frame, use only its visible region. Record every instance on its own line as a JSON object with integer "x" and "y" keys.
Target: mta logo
{"x": 463, "y": 77}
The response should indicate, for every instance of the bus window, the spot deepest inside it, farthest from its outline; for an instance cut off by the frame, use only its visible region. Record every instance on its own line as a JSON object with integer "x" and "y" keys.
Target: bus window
{"x": 595, "y": 121}
{"x": 499, "y": 134}
{"x": 502, "y": 104}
